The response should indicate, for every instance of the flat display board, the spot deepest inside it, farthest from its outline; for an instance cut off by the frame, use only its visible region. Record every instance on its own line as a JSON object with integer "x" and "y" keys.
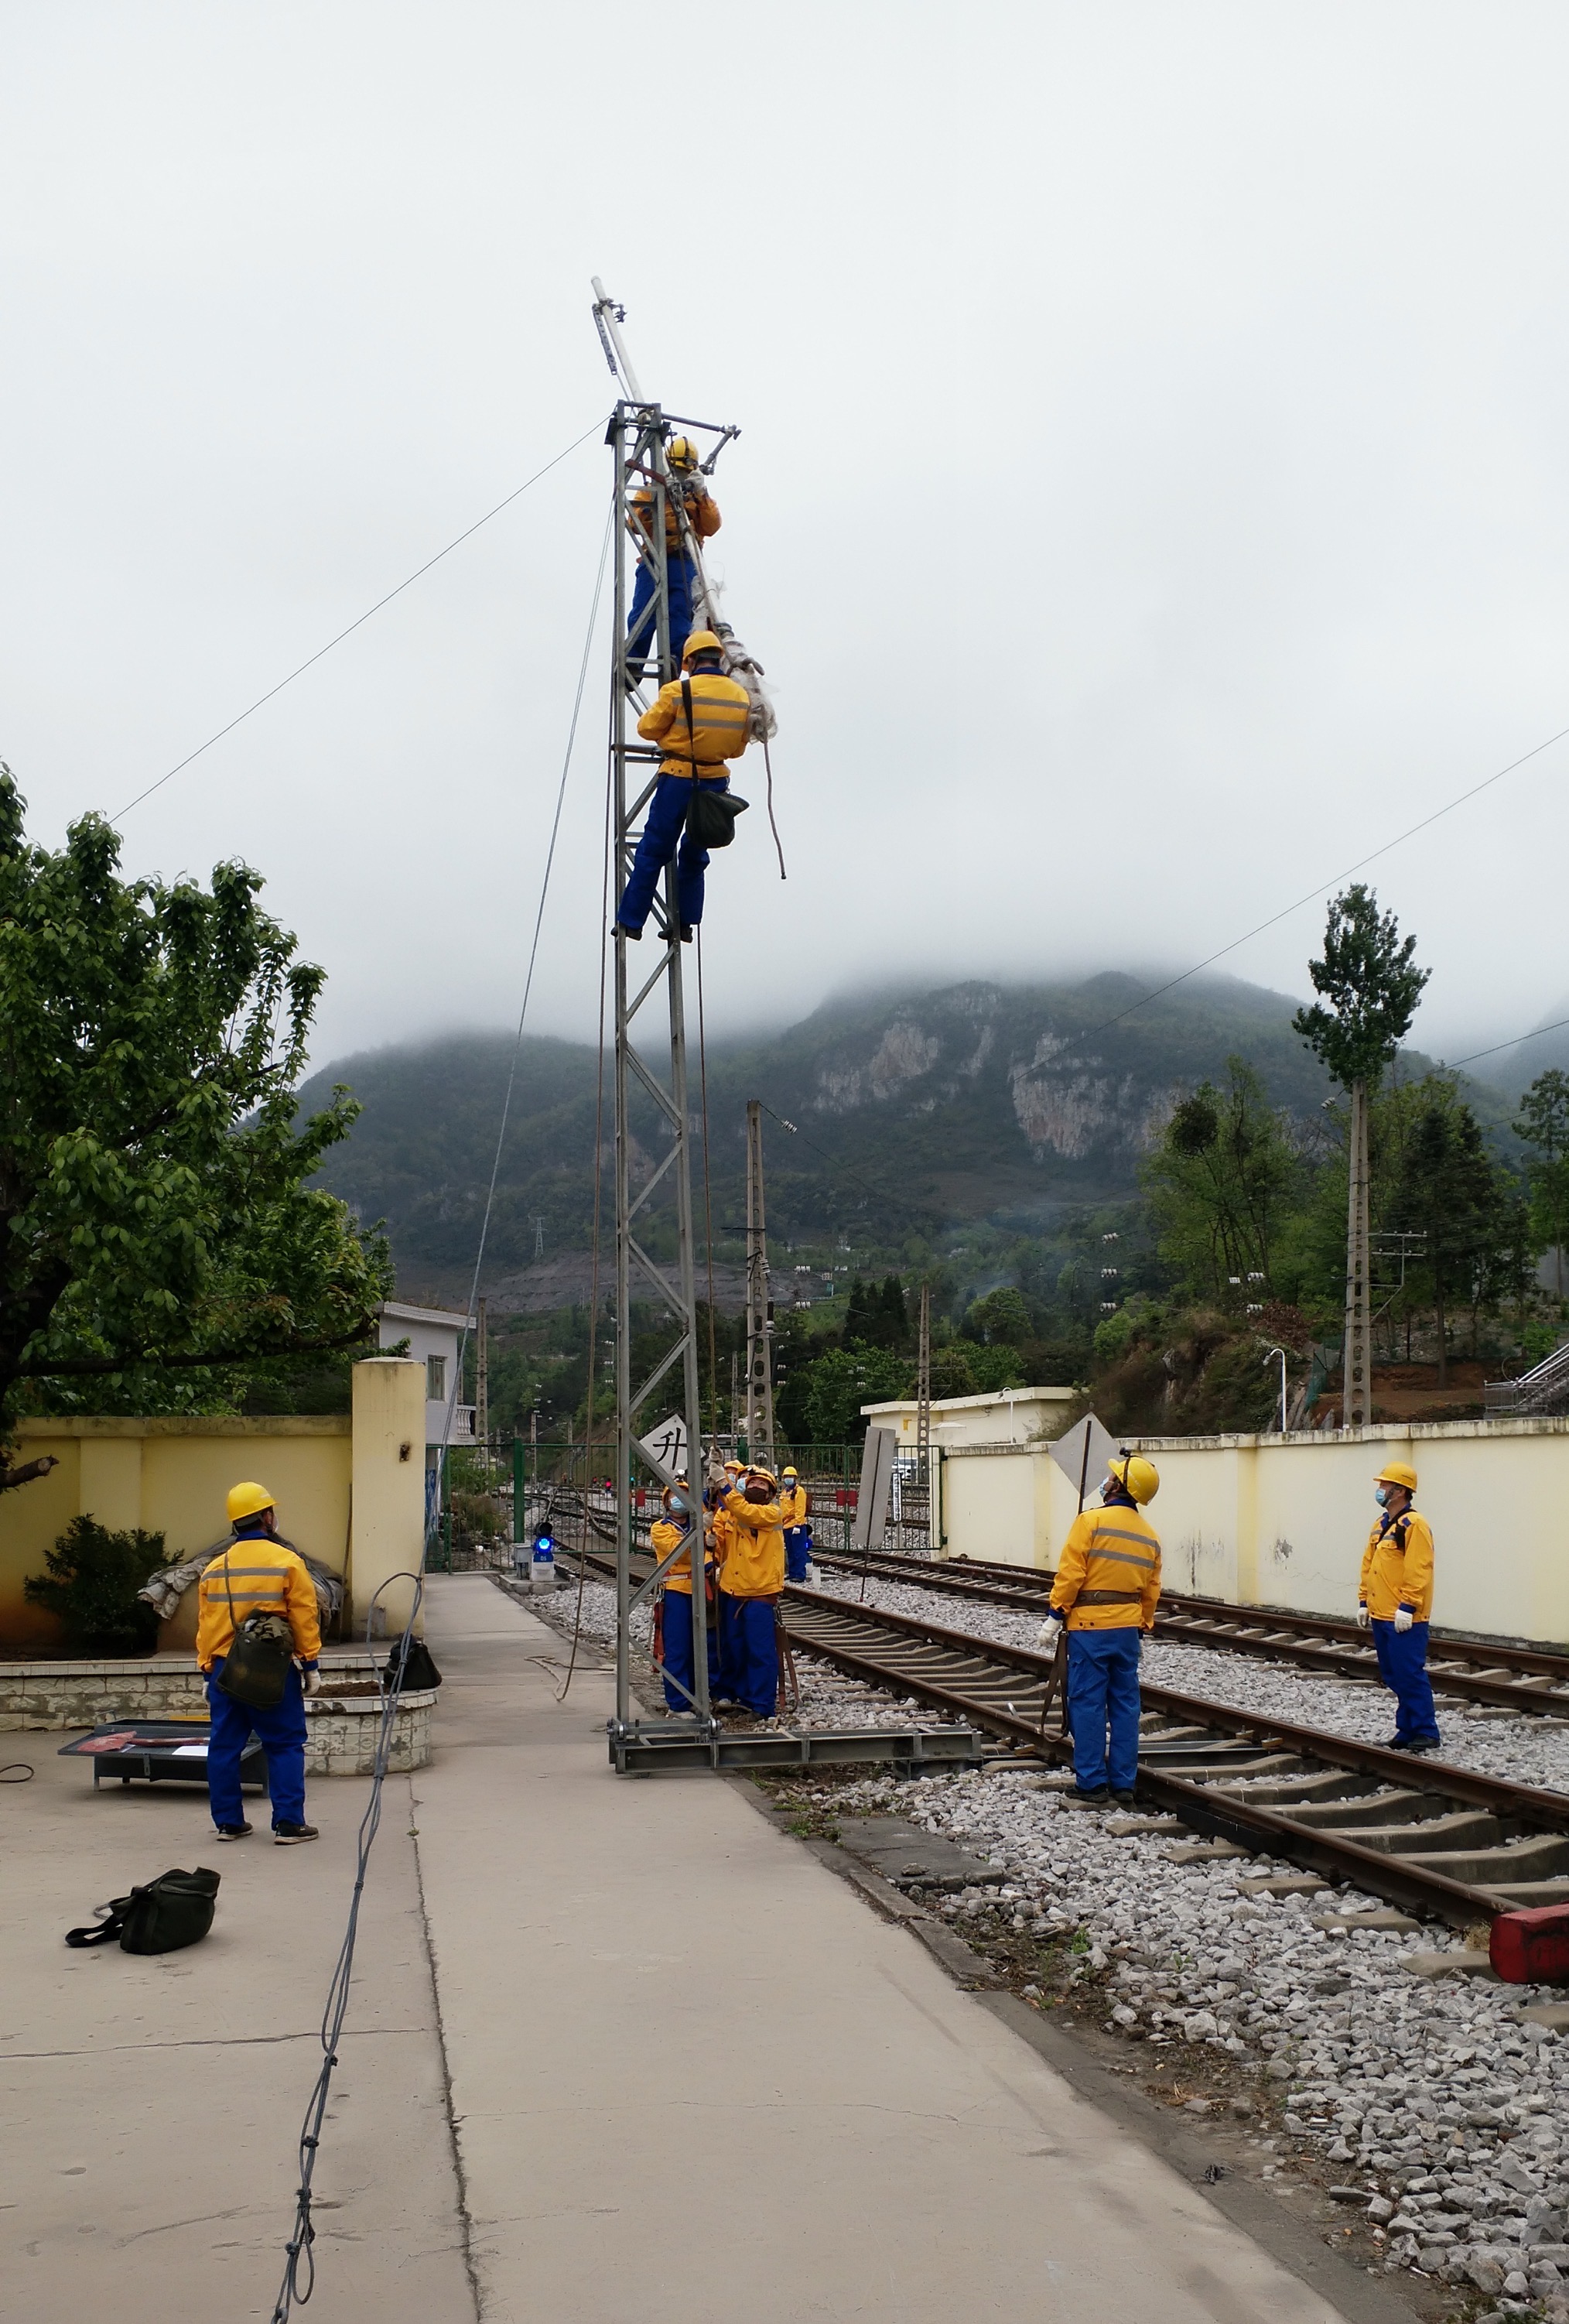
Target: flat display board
{"x": 871, "y": 1525}
{"x": 1082, "y": 1454}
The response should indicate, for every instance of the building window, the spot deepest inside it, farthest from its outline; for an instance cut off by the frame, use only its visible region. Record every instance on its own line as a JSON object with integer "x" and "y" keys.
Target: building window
{"x": 435, "y": 1378}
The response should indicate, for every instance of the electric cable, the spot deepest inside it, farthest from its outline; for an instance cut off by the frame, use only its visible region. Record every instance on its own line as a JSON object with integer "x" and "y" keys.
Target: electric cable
{"x": 1325, "y": 886}
{"x": 1452, "y": 1065}
{"x": 299, "y": 2262}
{"x": 312, "y": 659}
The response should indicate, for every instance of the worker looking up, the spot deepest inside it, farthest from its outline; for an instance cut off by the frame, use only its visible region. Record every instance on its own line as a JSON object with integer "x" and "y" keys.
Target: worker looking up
{"x": 703, "y": 718}
{"x": 1395, "y": 1596}
{"x": 667, "y": 1533}
{"x": 258, "y": 1573}
{"x": 686, "y": 496}
{"x": 750, "y": 1588}
{"x": 793, "y": 1507}
{"x": 1107, "y": 1587}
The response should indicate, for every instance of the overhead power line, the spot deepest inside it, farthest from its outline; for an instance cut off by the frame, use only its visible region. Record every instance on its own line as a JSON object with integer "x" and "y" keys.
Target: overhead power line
{"x": 418, "y": 574}
{"x": 1454, "y": 1065}
{"x": 1325, "y": 886}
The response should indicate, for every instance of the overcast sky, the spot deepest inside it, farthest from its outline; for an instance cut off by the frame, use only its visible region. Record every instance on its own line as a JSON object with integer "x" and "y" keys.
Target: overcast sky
{"x": 1153, "y": 492}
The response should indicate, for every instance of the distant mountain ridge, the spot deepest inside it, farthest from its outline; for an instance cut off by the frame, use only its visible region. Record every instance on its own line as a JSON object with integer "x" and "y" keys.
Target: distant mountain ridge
{"x": 915, "y": 1113}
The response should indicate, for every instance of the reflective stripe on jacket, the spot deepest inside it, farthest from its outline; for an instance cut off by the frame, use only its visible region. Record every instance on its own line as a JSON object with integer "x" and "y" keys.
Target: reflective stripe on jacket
{"x": 701, "y": 512}
{"x": 755, "y": 1567}
{"x": 1397, "y": 1567}
{"x": 1116, "y": 1550}
{"x": 264, "y": 1578}
{"x": 665, "y": 1534}
{"x": 720, "y": 723}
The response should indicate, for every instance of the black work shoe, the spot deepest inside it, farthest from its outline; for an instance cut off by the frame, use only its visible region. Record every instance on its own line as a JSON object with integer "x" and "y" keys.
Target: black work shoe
{"x": 687, "y": 934}
{"x": 290, "y": 1835}
{"x": 1101, "y": 1799}
{"x": 633, "y": 935}
{"x": 233, "y": 1831}
{"x": 1422, "y": 1743}
{"x": 1397, "y": 1743}
{"x": 1125, "y": 1799}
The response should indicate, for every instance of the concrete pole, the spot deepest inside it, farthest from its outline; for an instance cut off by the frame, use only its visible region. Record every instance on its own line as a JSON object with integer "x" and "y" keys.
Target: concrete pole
{"x": 1356, "y": 1362}
{"x": 759, "y": 1308}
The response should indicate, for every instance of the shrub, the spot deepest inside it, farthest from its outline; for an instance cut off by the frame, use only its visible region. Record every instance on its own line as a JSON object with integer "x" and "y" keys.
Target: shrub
{"x": 93, "y": 1578}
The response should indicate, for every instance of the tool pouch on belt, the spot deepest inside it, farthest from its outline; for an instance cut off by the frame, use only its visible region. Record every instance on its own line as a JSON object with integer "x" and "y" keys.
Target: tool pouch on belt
{"x": 710, "y": 813}
{"x": 256, "y": 1668}
{"x": 174, "y": 1909}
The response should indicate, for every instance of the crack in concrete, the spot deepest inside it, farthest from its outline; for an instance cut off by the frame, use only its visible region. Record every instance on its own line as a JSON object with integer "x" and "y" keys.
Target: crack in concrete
{"x": 465, "y": 2215}
{"x": 213, "y": 2042}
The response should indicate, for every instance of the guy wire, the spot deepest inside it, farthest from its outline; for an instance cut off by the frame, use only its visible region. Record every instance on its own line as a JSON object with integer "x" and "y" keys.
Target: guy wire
{"x": 299, "y": 2262}
{"x": 707, "y": 1218}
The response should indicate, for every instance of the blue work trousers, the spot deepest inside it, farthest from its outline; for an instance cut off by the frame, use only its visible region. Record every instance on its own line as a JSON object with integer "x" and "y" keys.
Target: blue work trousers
{"x": 664, "y": 833}
{"x": 1103, "y": 1701}
{"x": 749, "y": 1654}
{"x": 282, "y": 1734}
{"x": 1403, "y": 1669}
{"x": 797, "y": 1552}
{"x": 642, "y": 634}
{"x": 680, "y": 1662}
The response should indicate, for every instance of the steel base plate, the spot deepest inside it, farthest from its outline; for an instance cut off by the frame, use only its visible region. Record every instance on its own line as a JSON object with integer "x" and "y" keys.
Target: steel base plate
{"x": 637, "y": 1749}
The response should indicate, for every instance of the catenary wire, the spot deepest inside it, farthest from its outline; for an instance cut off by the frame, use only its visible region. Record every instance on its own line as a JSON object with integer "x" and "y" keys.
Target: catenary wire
{"x": 1453, "y": 1064}
{"x": 299, "y": 2262}
{"x": 418, "y": 574}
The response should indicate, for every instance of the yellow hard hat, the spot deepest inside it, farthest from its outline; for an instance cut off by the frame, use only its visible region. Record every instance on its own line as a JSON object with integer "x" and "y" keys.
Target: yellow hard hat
{"x": 700, "y": 642}
{"x": 1136, "y": 1475}
{"x": 682, "y": 454}
{"x": 1397, "y": 1472}
{"x": 246, "y": 1500}
{"x": 789, "y": 1472}
{"x": 765, "y": 1476}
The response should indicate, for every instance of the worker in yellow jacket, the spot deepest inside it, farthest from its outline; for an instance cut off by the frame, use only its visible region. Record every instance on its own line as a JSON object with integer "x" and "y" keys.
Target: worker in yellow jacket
{"x": 751, "y": 1585}
{"x": 703, "y": 719}
{"x": 679, "y": 1631}
{"x": 691, "y": 514}
{"x": 1395, "y": 1596}
{"x": 258, "y": 1573}
{"x": 794, "y": 1507}
{"x": 1107, "y": 1588}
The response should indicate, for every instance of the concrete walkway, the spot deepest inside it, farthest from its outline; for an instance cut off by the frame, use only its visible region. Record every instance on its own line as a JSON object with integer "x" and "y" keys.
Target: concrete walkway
{"x": 696, "y": 2079}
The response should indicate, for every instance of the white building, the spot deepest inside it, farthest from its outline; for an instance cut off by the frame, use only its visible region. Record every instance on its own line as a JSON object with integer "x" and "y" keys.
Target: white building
{"x": 434, "y": 1335}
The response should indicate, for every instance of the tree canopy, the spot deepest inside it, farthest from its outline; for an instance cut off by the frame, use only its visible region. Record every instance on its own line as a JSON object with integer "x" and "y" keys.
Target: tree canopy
{"x": 1369, "y": 977}
{"x": 158, "y": 1232}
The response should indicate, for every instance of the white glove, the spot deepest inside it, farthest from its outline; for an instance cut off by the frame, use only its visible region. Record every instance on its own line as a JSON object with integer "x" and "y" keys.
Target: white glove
{"x": 1363, "y": 1618}
{"x": 312, "y": 1681}
{"x": 1404, "y": 1618}
{"x": 1050, "y": 1632}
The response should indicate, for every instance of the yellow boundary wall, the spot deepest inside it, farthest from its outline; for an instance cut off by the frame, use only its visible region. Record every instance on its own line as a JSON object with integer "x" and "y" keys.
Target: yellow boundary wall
{"x": 350, "y": 1490}
{"x": 1283, "y": 1520}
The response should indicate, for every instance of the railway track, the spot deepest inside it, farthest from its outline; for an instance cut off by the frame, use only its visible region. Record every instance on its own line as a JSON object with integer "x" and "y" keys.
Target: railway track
{"x": 1530, "y": 1680}
{"x": 1434, "y": 1839}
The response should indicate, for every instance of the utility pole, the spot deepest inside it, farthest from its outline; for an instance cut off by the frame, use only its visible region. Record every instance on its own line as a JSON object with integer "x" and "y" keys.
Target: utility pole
{"x": 658, "y": 1077}
{"x": 483, "y": 1393}
{"x": 759, "y": 1306}
{"x": 923, "y": 1414}
{"x": 539, "y": 1238}
{"x": 1356, "y": 1401}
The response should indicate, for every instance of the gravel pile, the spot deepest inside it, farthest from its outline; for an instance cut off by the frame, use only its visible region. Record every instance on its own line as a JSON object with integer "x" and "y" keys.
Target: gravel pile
{"x": 1520, "y": 1750}
{"x": 1435, "y": 2098}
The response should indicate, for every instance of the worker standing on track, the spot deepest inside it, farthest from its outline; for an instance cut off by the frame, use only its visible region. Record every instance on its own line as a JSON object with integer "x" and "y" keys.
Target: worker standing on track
{"x": 258, "y": 1573}
{"x": 703, "y": 718}
{"x": 749, "y": 1589}
{"x": 793, "y": 1506}
{"x": 685, "y": 493}
{"x": 1395, "y": 1596}
{"x": 1107, "y": 1588}
{"x": 667, "y": 1533}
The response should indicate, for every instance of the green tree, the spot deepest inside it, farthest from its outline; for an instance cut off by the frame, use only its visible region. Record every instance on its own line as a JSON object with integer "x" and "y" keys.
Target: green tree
{"x": 844, "y": 1380}
{"x": 1369, "y": 977}
{"x": 1543, "y": 1124}
{"x": 1000, "y": 1318}
{"x": 1452, "y": 1192}
{"x": 158, "y": 1232}
{"x": 1221, "y": 1184}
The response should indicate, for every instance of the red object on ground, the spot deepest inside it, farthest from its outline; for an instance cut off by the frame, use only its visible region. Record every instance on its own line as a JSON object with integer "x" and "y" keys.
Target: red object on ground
{"x": 1531, "y": 1948}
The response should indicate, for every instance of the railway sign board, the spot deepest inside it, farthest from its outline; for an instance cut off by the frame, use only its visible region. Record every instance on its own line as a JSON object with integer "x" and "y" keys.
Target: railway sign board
{"x": 871, "y": 1525}
{"x": 664, "y": 1448}
{"x": 1082, "y": 1454}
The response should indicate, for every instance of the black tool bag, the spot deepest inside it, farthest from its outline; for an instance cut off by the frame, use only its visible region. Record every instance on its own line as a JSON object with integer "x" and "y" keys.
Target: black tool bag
{"x": 419, "y": 1670}
{"x": 174, "y": 1909}
{"x": 256, "y": 1668}
{"x": 710, "y": 813}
